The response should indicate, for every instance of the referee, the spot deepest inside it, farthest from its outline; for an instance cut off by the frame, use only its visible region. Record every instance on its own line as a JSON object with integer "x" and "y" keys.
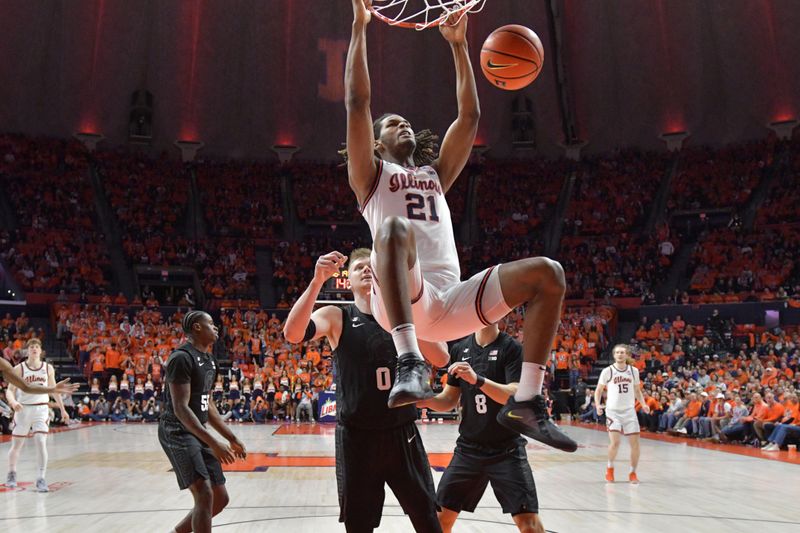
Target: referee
{"x": 375, "y": 445}
{"x": 484, "y": 371}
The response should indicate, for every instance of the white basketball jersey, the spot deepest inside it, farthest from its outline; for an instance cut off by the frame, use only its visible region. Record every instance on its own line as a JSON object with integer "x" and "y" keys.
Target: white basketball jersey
{"x": 416, "y": 194}
{"x": 33, "y": 377}
{"x": 620, "y": 387}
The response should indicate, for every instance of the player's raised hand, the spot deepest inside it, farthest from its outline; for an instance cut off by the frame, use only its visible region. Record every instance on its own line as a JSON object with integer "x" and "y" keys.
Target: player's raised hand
{"x": 328, "y": 265}
{"x": 361, "y": 12}
{"x": 454, "y": 29}
{"x": 463, "y": 370}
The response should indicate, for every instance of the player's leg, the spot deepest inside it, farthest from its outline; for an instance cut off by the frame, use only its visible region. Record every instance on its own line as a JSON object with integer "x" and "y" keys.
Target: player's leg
{"x": 461, "y": 488}
{"x": 633, "y": 440}
{"x": 408, "y": 474}
{"x": 395, "y": 256}
{"x": 613, "y": 448}
{"x": 538, "y": 282}
{"x": 200, "y": 521}
{"x": 528, "y": 523}
{"x": 360, "y": 478}
{"x": 447, "y": 519}
{"x": 219, "y": 501}
{"x": 40, "y": 428}
{"x": 17, "y": 443}
{"x": 23, "y": 422}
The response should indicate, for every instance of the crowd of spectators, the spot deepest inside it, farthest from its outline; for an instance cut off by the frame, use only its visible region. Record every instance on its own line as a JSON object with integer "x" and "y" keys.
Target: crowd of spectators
{"x": 781, "y": 204}
{"x": 616, "y": 265}
{"x": 719, "y": 177}
{"x": 613, "y": 194}
{"x": 515, "y": 198}
{"x": 55, "y": 245}
{"x": 321, "y": 193}
{"x": 717, "y": 381}
{"x": 241, "y": 199}
{"x": 730, "y": 265}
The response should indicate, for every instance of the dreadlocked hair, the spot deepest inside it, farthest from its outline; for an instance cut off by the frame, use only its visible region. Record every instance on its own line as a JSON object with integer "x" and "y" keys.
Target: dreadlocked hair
{"x": 190, "y": 319}
{"x": 427, "y": 147}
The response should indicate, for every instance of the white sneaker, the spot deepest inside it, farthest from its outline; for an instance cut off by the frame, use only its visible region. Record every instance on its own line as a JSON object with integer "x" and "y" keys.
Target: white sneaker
{"x": 11, "y": 480}
{"x": 41, "y": 485}
{"x": 682, "y": 431}
{"x": 772, "y": 447}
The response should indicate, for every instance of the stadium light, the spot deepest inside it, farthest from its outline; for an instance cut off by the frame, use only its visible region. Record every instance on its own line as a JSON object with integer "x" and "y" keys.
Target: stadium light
{"x": 783, "y": 128}
{"x": 89, "y": 140}
{"x": 189, "y": 149}
{"x": 285, "y": 152}
{"x": 674, "y": 139}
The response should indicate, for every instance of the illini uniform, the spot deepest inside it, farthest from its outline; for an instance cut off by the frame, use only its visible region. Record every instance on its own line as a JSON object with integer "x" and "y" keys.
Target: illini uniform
{"x": 620, "y": 398}
{"x": 376, "y": 445}
{"x": 191, "y": 458}
{"x": 35, "y": 414}
{"x": 444, "y": 308}
{"x": 486, "y": 451}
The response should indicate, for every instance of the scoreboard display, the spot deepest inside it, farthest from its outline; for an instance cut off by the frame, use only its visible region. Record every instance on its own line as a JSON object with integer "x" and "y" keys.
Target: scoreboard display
{"x": 339, "y": 283}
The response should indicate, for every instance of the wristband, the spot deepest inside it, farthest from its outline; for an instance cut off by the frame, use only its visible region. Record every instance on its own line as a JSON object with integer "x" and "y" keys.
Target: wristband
{"x": 480, "y": 381}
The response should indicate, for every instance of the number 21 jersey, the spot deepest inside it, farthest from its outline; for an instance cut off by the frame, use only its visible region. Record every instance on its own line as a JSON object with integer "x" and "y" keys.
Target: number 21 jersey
{"x": 416, "y": 194}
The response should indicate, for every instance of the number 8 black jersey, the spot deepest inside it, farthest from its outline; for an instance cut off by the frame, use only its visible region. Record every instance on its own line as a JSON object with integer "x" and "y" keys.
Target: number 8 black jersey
{"x": 364, "y": 367}
{"x": 187, "y": 364}
{"x": 501, "y": 362}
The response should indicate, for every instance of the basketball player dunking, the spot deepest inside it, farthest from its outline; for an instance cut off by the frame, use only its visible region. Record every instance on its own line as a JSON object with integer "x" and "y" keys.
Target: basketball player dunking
{"x": 31, "y": 413}
{"x": 484, "y": 371}
{"x": 196, "y": 455}
{"x": 375, "y": 445}
{"x": 622, "y": 381}
{"x": 400, "y": 186}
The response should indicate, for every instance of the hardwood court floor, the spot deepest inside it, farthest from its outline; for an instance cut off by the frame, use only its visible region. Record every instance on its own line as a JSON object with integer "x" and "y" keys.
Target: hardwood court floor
{"x": 109, "y": 478}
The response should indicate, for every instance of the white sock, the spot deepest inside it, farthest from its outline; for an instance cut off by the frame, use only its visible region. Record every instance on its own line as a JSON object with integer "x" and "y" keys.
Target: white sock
{"x": 13, "y": 454}
{"x": 633, "y": 469}
{"x": 530, "y": 382}
{"x": 405, "y": 339}
{"x": 41, "y": 454}
{"x": 610, "y": 464}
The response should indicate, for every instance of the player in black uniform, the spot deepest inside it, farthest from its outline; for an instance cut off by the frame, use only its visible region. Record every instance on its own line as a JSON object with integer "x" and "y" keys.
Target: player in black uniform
{"x": 375, "y": 445}
{"x": 484, "y": 372}
{"x": 195, "y": 453}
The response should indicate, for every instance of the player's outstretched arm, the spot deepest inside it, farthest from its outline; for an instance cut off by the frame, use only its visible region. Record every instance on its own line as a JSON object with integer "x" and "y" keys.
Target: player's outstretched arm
{"x": 222, "y": 428}
{"x": 499, "y": 392}
{"x": 12, "y": 378}
{"x": 446, "y": 400}
{"x": 458, "y": 141}
{"x": 327, "y": 320}
{"x": 361, "y": 166}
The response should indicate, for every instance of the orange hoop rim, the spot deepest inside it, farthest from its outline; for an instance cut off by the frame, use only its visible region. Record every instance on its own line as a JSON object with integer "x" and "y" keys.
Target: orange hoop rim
{"x": 439, "y": 21}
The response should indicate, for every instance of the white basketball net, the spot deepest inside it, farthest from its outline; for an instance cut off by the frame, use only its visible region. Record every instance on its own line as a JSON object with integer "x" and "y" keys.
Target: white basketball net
{"x": 422, "y": 14}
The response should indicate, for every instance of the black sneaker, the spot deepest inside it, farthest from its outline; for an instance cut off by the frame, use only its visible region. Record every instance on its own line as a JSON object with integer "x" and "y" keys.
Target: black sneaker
{"x": 412, "y": 381}
{"x": 530, "y": 418}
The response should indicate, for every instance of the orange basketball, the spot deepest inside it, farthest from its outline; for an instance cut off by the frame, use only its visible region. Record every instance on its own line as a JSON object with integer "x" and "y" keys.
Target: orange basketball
{"x": 512, "y": 57}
